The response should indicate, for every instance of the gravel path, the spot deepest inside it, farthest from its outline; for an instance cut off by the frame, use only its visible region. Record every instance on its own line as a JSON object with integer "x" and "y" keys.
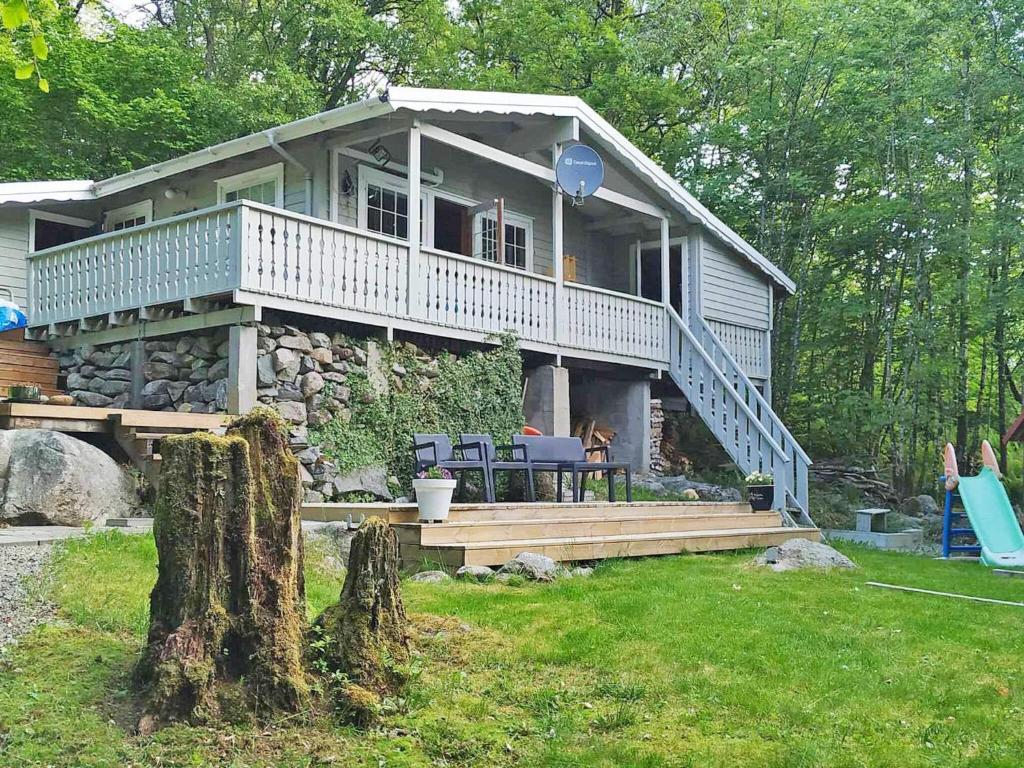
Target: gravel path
{"x": 19, "y": 612}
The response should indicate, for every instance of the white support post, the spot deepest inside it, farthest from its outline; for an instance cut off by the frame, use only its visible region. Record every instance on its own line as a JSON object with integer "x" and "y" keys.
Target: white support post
{"x": 561, "y": 315}
{"x": 639, "y": 266}
{"x": 666, "y": 294}
{"x": 412, "y": 292}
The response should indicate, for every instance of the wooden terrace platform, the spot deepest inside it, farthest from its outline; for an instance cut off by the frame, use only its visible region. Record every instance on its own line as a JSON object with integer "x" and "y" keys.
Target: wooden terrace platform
{"x": 491, "y": 534}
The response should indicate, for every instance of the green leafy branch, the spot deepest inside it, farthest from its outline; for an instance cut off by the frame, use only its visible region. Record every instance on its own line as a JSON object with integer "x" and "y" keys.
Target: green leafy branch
{"x": 15, "y": 15}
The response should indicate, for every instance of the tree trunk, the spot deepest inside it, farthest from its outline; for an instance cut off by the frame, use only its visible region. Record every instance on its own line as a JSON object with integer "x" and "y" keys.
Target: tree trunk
{"x": 228, "y": 604}
{"x": 365, "y": 632}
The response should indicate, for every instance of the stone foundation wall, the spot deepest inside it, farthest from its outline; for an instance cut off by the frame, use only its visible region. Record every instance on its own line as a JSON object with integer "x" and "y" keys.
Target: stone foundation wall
{"x": 657, "y": 427}
{"x": 187, "y": 374}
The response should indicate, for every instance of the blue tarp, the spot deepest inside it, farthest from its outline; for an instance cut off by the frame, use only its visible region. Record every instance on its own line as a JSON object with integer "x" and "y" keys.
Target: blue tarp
{"x": 11, "y": 316}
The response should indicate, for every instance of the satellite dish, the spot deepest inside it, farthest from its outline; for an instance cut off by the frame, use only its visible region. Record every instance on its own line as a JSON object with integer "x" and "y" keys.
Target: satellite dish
{"x": 579, "y": 172}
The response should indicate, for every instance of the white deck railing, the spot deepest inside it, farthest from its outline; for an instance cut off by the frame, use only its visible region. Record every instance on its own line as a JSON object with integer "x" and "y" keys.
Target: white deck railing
{"x": 261, "y": 250}
{"x": 170, "y": 260}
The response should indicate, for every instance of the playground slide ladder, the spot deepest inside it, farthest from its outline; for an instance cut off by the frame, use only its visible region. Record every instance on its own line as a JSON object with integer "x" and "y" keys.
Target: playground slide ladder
{"x": 737, "y": 414}
{"x": 956, "y": 527}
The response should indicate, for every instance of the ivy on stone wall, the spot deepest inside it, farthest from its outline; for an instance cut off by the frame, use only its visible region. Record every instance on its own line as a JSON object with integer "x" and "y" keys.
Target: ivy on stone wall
{"x": 410, "y": 392}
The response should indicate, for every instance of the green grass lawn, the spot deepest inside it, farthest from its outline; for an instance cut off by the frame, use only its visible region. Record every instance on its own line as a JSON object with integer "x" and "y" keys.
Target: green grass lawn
{"x": 688, "y": 661}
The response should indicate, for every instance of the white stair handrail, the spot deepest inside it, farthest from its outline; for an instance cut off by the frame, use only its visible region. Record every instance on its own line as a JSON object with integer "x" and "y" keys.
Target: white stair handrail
{"x": 717, "y": 372}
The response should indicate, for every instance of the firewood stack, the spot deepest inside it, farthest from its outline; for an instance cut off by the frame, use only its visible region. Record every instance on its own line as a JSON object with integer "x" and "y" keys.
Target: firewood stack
{"x": 593, "y": 435}
{"x": 657, "y": 421}
{"x": 865, "y": 479}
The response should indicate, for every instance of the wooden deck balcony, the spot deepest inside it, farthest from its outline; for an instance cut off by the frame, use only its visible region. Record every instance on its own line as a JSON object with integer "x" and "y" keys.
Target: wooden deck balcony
{"x": 251, "y": 254}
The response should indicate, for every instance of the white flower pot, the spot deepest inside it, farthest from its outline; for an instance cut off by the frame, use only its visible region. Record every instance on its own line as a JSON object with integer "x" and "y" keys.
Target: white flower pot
{"x": 434, "y": 498}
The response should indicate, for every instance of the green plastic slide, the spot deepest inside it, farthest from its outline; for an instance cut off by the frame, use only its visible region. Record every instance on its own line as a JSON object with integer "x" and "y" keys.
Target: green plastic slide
{"x": 991, "y": 515}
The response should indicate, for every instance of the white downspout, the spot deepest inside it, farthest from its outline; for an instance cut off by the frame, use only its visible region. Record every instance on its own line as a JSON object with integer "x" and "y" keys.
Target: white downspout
{"x": 290, "y": 158}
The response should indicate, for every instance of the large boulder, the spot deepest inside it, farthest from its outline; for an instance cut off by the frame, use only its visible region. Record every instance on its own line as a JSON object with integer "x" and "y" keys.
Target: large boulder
{"x": 795, "y": 554}
{"x": 921, "y": 506}
{"x": 52, "y": 478}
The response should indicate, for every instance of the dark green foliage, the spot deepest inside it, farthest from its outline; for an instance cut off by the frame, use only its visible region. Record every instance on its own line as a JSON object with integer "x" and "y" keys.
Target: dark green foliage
{"x": 479, "y": 392}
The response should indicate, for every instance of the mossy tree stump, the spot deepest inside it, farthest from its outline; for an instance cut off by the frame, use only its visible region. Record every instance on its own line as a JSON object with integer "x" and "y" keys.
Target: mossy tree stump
{"x": 367, "y": 629}
{"x": 229, "y": 602}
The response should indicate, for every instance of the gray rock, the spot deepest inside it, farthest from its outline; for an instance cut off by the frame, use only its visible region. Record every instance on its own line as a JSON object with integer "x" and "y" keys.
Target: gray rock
{"x": 580, "y": 571}
{"x": 265, "y": 344}
{"x": 292, "y": 411}
{"x": 266, "y": 376}
{"x": 176, "y": 389}
{"x": 157, "y": 370}
{"x": 204, "y": 346}
{"x": 311, "y": 383}
{"x": 706, "y": 491}
{"x": 320, "y": 340}
{"x": 218, "y": 370}
{"x": 220, "y": 394}
{"x": 532, "y": 566}
{"x": 171, "y": 358}
{"x": 286, "y": 363}
{"x": 431, "y": 577}
{"x": 53, "y": 478}
{"x": 372, "y": 479}
{"x": 339, "y": 366}
{"x": 310, "y": 496}
{"x": 92, "y": 399}
{"x": 158, "y": 387}
{"x": 801, "y": 553}
{"x": 287, "y": 390}
{"x": 96, "y": 384}
{"x": 121, "y": 401}
{"x": 102, "y": 359}
{"x": 475, "y": 573}
{"x": 155, "y": 402}
{"x": 325, "y": 472}
{"x": 309, "y": 455}
{"x": 920, "y": 506}
{"x": 161, "y": 346}
{"x": 114, "y": 388}
{"x": 299, "y": 342}
{"x": 78, "y": 381}
{"x": 307, "y": 364}
{"x": 335, "y": 378}
{"x": 118, "y": 374}
{"x": 317, "y": 418}
{"x": 198, "y": 374}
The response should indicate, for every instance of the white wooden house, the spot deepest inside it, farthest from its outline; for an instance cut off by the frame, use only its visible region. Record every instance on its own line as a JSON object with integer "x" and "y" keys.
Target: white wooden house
{"x": 314, "y": 218}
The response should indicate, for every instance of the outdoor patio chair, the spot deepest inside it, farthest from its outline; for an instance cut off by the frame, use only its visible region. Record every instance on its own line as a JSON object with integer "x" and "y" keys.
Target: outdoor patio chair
{"x": 479, "y": 446}
{"x": 438, "y": 451}
{"x": 567, "y": 454}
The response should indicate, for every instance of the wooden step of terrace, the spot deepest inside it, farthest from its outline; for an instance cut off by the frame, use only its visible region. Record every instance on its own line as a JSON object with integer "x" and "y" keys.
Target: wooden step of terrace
{"x": 602, "y": 547}
{"x": 515, "y": 511}
{"x": 441, "y": 534}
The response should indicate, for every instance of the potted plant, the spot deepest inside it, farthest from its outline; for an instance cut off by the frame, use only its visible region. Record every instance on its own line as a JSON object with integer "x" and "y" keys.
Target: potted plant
{"x": 24, "y": 393}
{"x": 434, "y": 488}
{"x": 760, "y": 491}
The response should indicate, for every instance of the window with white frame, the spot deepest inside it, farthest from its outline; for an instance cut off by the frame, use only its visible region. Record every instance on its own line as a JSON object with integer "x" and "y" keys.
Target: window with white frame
{"x": 446, "y": 220}
{"x": 262, "y": 185}
{"x": 518, "y": 239}
{"x": 128, "y": 216}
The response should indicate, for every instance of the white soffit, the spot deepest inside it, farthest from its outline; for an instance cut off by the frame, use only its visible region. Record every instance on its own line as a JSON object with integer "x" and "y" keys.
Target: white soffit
{"x": 47, "y": 191}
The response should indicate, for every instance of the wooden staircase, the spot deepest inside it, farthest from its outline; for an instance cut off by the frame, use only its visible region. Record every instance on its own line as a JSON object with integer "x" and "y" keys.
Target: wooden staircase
{"x": 139, "y": 434}
{"x": 27, "y": 362}
{"x": 491, "y": 534}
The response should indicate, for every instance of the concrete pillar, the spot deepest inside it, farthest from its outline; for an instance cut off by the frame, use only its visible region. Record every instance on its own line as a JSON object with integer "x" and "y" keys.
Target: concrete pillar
{"x": 241, "y": 369}
{"x": 621, "y": 405}
{"x": 137, "y": 359}
{"x": 546, "y": 406}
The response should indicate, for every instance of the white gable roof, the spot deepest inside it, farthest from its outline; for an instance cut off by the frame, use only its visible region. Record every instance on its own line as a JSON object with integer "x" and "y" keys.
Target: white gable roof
{"x": 418, "y": 100}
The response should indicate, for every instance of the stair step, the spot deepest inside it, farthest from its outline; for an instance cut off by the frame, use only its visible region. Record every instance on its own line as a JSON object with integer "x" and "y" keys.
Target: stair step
{"x": 29, "y": 360}
{"x": 519, "y": 511}
{"x": 428, "y": 534}
{"x": 601, "y": 547}
{"x": 15, "y": 341}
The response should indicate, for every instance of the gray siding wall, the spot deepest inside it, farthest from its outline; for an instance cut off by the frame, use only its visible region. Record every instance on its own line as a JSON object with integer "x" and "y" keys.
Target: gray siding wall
{"x": 733, "y": 290}
{"x": 13, "y": 247}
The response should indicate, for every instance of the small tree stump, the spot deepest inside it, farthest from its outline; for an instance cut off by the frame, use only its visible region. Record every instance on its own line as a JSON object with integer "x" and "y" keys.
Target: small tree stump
{"x": 367, "y": 628}
{"x": 229, "y": 601}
